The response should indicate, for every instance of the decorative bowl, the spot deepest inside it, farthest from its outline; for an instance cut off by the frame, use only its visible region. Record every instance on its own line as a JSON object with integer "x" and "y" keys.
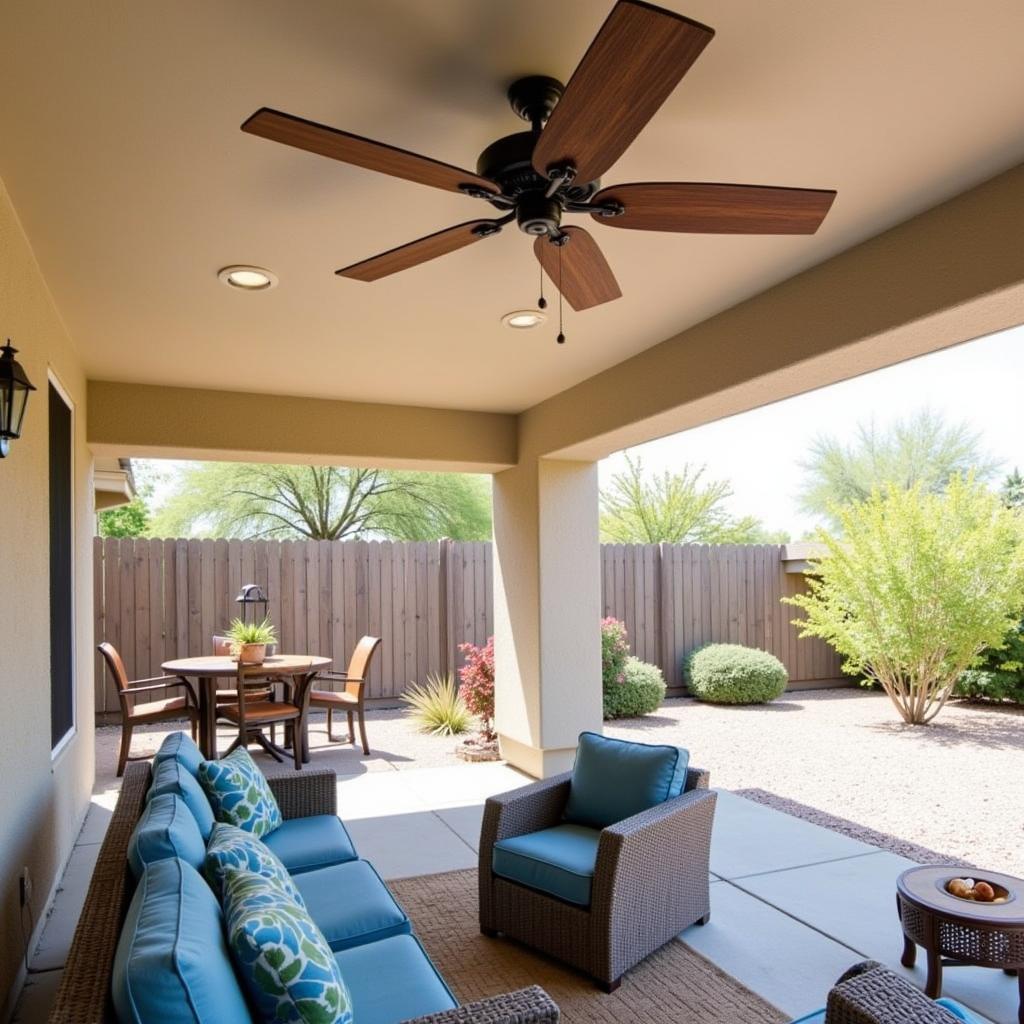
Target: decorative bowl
{"x": 976, "y": 890}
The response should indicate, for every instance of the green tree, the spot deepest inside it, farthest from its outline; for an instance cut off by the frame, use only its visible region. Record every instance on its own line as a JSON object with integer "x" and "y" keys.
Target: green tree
{"x": 917, "y": 588}
{"x": 1012, "y": 491}
{"x": 222, "y": 499}
{"x": 674, "y": 508}
{"x": 131, "y": 520}
{"x": 921, "y": 450}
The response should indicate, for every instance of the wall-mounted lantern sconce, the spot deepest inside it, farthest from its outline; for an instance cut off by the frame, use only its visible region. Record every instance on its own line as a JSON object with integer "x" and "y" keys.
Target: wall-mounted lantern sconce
{"x": 14, "y": 389}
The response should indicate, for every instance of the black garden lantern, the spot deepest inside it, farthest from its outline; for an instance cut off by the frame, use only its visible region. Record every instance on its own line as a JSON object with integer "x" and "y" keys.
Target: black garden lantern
{"x": 14, "y": 389}
{"x": 250, "y": 596}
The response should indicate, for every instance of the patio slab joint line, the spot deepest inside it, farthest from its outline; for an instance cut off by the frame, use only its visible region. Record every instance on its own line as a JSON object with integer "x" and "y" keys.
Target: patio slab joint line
{"x": 800, "y": 867}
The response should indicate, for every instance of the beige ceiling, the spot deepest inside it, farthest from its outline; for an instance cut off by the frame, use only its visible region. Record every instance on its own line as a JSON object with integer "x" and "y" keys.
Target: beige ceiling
{"x": 119, "y": 145}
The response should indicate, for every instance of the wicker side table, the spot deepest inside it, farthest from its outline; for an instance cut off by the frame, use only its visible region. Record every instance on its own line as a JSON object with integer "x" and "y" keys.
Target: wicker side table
{"x": 955, "y": 932}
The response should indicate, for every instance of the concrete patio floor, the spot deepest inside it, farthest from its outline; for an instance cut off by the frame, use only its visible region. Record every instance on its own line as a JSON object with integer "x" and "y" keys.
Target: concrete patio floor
{"x": 793, "y": 904}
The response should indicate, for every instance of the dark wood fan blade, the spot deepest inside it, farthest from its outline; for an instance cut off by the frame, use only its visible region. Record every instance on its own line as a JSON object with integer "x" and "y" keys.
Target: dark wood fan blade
{"x": 578, "y": 269}
{"x": 631, "y": 67}
{"x": 423, "y": 249}
{"x": 354, "y": 149}
{"x": 717, "y": 209}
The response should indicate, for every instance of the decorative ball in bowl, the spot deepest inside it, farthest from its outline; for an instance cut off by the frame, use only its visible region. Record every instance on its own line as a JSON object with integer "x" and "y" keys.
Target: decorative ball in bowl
{"x": 977, "y": 890}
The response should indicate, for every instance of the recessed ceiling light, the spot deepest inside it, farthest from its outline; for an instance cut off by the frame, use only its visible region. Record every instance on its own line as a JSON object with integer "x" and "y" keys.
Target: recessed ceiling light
{"x": 250, "y": 279}
{"x": 523, "y": 319}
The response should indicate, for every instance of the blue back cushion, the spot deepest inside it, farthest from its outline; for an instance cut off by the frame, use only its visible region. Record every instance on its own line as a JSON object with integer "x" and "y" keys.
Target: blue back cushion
{"x": 178, "y": 746}
{"x": 171, "y": 776}
{"x": 614, "y": 779}
{"x": 166, "y": 829}
{"x": 172, "y": 964}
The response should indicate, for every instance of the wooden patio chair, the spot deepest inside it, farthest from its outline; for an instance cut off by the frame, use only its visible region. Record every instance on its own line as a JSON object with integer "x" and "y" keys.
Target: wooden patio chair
{"x": 351, "y": 698}
{"x": 251, "y": 714}
{"x": 134, "y": 713}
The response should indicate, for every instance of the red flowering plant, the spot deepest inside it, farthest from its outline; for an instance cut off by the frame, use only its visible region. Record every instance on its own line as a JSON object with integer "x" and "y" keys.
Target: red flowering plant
{"x": 477, "y": 689}
{"x": 614, "y": 652}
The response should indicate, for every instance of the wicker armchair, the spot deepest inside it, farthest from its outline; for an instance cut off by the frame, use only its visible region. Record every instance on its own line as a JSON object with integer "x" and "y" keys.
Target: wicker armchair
{"x": 650, "y": 881}
{"x": 869, "y": 993}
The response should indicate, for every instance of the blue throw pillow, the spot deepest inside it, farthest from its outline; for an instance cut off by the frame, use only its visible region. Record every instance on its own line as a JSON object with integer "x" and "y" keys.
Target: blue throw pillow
{"x": 178, "y": 746}
{"x": 282, "y": 957}
{"x": 232, "y": 848}
{"x": 166, "y": 829}
{"x": 172, "y": 964}
{"x": 614, "y": 779}
{"x": 171, "y": 776}
{"x": 239, "y": 793}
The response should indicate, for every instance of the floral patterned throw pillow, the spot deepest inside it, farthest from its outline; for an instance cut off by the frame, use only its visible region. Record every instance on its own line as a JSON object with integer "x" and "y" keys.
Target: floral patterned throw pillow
{"x": 282, "y": 957}
{"x": 239, "y": 794}
{"x": 232, "y": 848}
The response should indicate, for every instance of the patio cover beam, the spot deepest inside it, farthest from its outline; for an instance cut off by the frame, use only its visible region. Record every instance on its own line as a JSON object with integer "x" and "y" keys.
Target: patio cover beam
{"x": 149, "y": 421}
{"x": 950, "y": 274}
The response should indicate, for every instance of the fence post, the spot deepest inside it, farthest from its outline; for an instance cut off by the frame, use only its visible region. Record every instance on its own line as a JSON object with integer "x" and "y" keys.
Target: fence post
{"x": 444, "y": 610}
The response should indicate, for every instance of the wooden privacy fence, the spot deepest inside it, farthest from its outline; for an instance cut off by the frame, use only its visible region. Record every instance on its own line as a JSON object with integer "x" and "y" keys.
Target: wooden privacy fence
{"x": 161, "y": 599}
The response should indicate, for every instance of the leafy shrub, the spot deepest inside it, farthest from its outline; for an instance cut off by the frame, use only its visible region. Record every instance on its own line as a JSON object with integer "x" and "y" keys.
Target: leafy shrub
{"x": 1000, "y": 674}
{"x": 614, "y": 652}
{"x": 437, "y": 707}
{"x": 477, "y": 689}
{"x": 916, "y": 588}
{"x": 732, "y": 674}
{"x": 641, "y": 691}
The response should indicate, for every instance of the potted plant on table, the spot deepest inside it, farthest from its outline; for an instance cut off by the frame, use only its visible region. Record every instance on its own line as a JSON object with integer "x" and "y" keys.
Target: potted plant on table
{"x": 249, "y": 641}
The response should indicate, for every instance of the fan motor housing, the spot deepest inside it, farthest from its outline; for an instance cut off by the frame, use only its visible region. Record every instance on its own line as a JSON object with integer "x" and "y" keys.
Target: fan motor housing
{"x": 508, "y": 162}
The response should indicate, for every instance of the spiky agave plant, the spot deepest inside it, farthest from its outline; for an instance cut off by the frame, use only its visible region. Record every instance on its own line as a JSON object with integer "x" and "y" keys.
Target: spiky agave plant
{"x": 436, "y": 706}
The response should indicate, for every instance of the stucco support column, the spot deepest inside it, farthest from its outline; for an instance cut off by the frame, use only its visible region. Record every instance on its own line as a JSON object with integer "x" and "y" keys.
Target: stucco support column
{"x": 547, "y": 611}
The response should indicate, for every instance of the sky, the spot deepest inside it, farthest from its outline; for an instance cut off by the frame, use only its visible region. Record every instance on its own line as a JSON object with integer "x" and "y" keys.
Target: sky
{"x": 980, "y": 382}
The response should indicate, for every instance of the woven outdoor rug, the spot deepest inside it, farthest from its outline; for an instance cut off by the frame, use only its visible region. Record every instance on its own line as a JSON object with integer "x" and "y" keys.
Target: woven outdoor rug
{"x": 673, "y": 986}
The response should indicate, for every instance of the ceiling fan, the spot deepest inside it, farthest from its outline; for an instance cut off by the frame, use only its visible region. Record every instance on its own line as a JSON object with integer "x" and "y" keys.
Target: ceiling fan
{"x": 577, "y": 131}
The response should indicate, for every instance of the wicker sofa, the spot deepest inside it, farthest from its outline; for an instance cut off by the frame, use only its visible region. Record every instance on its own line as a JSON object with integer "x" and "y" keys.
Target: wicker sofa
{"x": 869, "y": 993}
{"x": 650, "y": 879}
{"x": 84, "y": 995}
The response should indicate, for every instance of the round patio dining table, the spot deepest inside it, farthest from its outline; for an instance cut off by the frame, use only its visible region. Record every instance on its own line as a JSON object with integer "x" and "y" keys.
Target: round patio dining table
{"x": 207, "y": 669}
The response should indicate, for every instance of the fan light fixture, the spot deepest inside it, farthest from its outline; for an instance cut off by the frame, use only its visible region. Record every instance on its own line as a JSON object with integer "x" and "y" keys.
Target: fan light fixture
{"x": 249, "y": 279}
{"x": 524, "y": 319}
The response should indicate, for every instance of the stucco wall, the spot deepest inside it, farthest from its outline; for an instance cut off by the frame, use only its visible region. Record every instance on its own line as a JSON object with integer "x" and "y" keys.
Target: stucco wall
{"x": 42, "y": 800}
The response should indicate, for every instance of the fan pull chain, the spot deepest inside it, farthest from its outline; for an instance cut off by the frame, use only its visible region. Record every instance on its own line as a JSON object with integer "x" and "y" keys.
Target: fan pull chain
{"x": 542, "y": 303}
{"x": 561, "y": 335}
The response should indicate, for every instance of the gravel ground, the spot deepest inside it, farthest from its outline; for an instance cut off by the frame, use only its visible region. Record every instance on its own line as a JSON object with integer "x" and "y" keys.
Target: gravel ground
{"x": 841, "y": 758}
{"x": 844, "y": 759}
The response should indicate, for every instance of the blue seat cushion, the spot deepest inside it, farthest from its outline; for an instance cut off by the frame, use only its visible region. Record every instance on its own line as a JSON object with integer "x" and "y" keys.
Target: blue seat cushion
{"x": 559, "y": 861}
{"x": 954, "y": 1008}
{"x": 614, "y": 779}
{"x": 303, "y": 844}
{"x": 393, "y": 980}
{"x": 179, "y": 746}
{"x": 958, "y": 1011}
{"x": 172, "y": 964}
{"x": 351, "y": 905}
{"x": 165, "y": 829}
{"x": 170, "y": 776}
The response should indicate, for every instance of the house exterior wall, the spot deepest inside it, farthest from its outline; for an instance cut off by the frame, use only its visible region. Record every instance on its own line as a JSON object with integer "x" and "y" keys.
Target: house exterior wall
{"x": 42, "y": 799}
